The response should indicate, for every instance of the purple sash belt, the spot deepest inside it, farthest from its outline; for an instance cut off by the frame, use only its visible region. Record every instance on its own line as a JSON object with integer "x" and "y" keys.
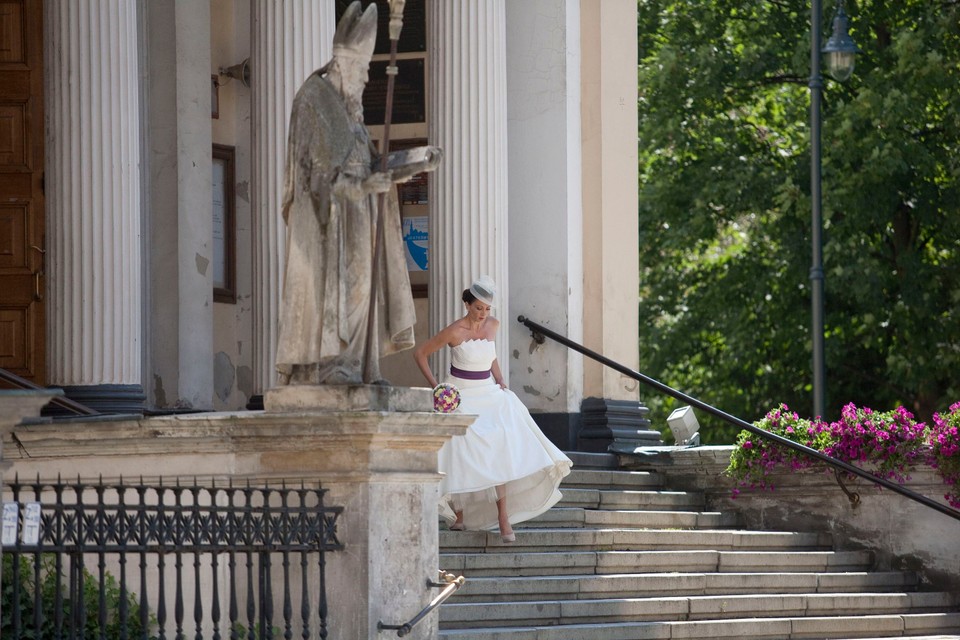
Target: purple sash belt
{"x": 469, "y": 375}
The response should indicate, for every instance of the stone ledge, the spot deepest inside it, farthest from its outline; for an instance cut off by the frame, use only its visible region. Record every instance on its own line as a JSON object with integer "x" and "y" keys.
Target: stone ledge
{"x": 256, "y": 432}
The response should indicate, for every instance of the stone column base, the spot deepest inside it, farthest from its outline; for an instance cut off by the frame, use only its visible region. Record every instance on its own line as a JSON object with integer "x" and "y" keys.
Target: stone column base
{"x": 106, "y": 398}
{"x": 615, "y": 425}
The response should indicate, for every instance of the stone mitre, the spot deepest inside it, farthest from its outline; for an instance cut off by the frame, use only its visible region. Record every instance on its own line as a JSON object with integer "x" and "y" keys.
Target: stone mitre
{"x": 356, "y": 32}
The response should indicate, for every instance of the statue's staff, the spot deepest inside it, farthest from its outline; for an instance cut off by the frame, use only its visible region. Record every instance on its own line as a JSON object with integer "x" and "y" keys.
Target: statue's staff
{"x": 396, "y": 24}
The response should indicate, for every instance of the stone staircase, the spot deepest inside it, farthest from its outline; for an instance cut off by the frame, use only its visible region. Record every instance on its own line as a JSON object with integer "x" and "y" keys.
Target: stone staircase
{"x": 622, "y": 557}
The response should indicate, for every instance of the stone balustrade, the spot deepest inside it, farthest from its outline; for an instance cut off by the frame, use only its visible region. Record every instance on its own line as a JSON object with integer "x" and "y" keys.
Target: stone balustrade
{"x": 373, "y": 448}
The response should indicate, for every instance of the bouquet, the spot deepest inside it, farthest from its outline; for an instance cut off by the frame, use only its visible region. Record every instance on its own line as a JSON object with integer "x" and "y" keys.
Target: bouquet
{"x": 446, "y": 398}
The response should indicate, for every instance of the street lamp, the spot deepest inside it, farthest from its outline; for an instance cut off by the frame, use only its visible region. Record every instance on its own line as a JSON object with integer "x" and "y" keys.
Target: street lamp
{"x": 841, "y": 52}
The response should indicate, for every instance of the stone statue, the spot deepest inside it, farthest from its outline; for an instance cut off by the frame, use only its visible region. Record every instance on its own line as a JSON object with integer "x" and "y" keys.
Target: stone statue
{"x": 330, "y": 205}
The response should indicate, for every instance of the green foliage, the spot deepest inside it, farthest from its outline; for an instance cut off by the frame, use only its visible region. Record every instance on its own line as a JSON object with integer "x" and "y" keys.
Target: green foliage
{"x": 944, "y": 438}
{"x": 48, "y": 584}
{"x": 889, "y": 444}
{"x": 242, "y": 631}
{"x": 724, "y": 183}
{"x": 754, "y": 458}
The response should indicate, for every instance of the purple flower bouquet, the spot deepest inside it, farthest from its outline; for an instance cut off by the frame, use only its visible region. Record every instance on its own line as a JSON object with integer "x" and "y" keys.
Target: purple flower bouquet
{"x": 446, "y": 398}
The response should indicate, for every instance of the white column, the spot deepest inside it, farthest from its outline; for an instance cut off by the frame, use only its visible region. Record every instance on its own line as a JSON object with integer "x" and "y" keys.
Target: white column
{"x": 546, "y": 250}
{"x": 610, "y": 234}
{"x": 179, "y": 216}
{"x": 291, "y": 39}
{"x": 92, "y": 182}
{"x": 468, "y": 193}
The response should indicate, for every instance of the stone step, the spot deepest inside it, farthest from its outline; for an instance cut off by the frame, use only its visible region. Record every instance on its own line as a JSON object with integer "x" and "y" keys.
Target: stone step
{"x": 594, "y": 587}
{"x": 607, "y": 479}
{"x": 531, "y": 563}
{"x": 691, "y": 608}
{"x": 950, "y": 637}
{"x": 854, "y": 626}
{"x": 622, "y": 557}
{"x": 607, "y": 518}
{"x": 635, "y": 540}
{"x": 586, "y": 460}
{"x": 623, "y": 499}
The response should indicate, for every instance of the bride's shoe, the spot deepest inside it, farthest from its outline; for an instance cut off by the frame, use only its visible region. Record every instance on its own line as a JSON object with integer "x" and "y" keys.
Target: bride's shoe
{"x": 456, "y": 526}
{"x": 509, "y": 537}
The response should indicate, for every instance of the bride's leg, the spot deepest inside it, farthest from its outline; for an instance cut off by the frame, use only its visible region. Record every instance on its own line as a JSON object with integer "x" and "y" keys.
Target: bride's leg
{"x": 458, "y": 525}
{"x": 506, "y": 531}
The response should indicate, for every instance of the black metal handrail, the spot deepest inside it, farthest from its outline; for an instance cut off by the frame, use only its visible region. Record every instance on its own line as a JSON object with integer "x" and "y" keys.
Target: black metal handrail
{"x": 790, "y": 444}
{"x": 450, "y": 584}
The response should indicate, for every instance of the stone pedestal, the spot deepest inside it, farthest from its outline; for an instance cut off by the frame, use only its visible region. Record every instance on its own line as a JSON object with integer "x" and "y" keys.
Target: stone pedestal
{"x": 352, "y": 397}
{"x": 373, "y": 448}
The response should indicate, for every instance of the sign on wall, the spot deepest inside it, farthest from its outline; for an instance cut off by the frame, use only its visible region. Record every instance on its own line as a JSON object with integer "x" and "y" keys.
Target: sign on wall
{"x": 415, "y": 242}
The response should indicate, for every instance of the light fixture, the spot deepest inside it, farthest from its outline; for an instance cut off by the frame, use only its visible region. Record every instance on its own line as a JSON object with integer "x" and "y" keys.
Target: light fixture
{"x": 841, "y": 50}
{"x": 239, "y": 71}
{"x": 684, "y": 426}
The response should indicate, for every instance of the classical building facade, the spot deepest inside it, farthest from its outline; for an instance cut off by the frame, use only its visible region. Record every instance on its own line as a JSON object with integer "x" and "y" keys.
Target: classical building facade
{"x": 141, "y": 161}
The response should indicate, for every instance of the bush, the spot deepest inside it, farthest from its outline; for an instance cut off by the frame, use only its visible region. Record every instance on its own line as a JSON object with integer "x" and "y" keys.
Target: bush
{"x": 755, "y": 458}
{"x": 888, "y": 444}
{"x": 47, "y": 585}
{"x": 945, "y": 451}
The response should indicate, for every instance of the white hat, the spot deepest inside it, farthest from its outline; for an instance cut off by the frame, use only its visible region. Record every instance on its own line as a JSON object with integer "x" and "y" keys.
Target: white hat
{"x": 356, "y": 33}
{"x": 484, "y": 289}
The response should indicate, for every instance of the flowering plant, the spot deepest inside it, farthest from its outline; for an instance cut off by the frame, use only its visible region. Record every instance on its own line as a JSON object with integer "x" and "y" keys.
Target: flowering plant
{"x": 889, "y": 444}
{"x": 446, "y": 398}
{"x": 755, "y": 458}
{"x": 944, "y": 440}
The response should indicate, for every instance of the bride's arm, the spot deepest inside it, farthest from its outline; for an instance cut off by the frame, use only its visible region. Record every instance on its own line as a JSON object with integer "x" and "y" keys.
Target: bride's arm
{"x": 492, "y": 325}
{"x": 426, "y": 349}
{"x": 497, "y": 375}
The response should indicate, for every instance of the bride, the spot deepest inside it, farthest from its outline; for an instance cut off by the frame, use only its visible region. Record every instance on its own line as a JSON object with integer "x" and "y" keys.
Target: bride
{"x": 503, "y": 470}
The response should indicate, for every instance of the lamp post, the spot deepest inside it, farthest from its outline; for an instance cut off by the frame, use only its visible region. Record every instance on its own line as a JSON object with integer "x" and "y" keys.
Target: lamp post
{"x": 841, "y": 53}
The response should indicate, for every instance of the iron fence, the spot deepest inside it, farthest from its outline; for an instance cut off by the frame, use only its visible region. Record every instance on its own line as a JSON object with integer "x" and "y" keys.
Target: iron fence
{"x": 107, "y": 561}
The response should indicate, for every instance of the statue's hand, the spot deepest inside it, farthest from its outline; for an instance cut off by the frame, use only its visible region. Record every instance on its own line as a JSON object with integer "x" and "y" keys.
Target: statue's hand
{"x": 434, "y": 156}
{"x": 377, "y": 183}
{"x": 348, "y": 187}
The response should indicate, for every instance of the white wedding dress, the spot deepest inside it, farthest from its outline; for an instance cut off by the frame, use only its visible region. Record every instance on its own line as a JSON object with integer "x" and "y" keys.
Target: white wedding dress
{"x": 504, "y": 446}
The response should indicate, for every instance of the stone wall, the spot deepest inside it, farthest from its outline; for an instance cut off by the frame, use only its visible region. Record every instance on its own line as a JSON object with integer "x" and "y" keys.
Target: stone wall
{"x": 902, "y": 533}
{"x": 377, "y": 457}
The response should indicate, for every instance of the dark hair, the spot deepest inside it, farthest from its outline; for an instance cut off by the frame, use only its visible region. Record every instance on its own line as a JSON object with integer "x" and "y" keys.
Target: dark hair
{"x": 468, "y": 297}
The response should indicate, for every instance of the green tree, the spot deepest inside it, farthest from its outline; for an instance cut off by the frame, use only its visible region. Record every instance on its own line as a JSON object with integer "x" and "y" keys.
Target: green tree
{"x": 51, "y": 593}
{"x": 725, "y": 206}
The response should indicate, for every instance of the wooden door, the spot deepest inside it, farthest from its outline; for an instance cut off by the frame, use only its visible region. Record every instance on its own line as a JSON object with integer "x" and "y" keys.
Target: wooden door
{"x": 22, "y": 318}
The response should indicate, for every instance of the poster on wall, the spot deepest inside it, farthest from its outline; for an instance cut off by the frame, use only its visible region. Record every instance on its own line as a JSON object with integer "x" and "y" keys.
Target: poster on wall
{"x": 415, "y": 240}
{"x": 219, "y": 186}
{"x": 224, "y": 226}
